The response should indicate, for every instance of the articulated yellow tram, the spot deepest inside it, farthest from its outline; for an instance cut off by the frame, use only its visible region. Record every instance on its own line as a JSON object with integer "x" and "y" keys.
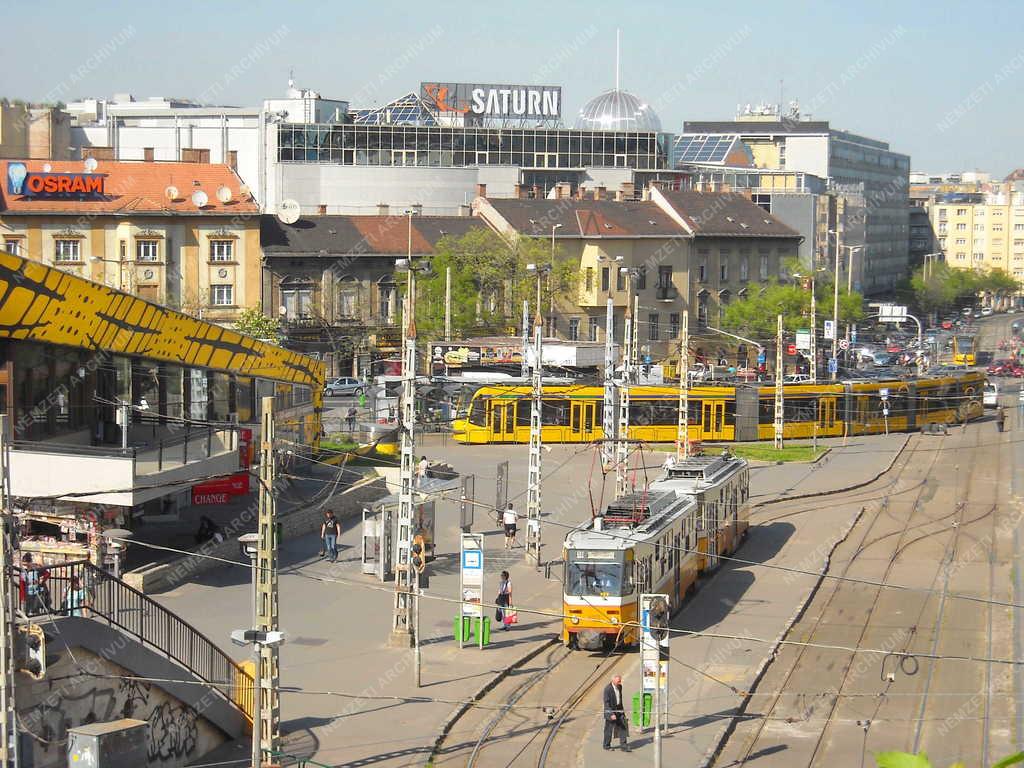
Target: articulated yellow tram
{"x": 743, "y": 412}
{"x": 660, "y": 540}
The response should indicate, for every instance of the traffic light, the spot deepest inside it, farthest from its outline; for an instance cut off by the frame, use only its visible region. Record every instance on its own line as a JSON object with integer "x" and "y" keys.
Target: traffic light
{"x": 32, "y": 659}
{"x": 419, "y": 554}
{"x": 658, "y": 617}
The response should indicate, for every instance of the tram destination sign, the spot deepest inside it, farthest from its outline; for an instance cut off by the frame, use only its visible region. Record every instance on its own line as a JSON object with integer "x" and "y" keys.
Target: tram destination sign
{"x": 501, "y": 101}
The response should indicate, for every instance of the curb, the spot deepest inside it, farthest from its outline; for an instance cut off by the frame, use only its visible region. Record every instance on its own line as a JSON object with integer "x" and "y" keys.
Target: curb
{"x": 450, "y": 721}
{"x": 834, "y": 491}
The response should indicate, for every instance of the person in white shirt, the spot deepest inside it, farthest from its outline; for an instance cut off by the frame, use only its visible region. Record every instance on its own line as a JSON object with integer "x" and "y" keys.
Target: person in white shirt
{"x": 421, "y": 470}
{"x": 509, "y": 519}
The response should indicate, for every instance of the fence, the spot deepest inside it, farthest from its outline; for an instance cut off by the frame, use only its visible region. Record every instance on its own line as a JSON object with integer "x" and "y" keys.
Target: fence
{"x": 81, "y": 589}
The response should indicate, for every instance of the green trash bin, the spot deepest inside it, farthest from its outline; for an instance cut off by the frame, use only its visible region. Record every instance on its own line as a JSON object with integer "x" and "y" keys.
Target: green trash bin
{"x": 463, "y": 628}
{"x": 642, "y": 719}
{"x": 482, "y": 630}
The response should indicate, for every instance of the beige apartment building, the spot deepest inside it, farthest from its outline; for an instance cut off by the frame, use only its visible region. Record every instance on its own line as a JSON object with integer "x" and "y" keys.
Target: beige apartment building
{"x": 982, "y": 231}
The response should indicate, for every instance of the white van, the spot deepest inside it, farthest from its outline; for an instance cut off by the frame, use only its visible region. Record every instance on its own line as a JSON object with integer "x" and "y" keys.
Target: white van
{"x": 991, "y": 396}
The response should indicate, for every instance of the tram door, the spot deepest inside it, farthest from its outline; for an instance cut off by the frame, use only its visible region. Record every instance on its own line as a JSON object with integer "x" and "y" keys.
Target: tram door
{"x": 714, "y": 419}
{"x": 581, "y": 421}
{"x": 826, "y": 414}
{"x": 503, "y": 421}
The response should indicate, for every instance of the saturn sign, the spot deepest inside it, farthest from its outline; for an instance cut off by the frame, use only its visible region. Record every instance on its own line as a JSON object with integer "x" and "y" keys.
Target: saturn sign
{"x": 503, "y": 101}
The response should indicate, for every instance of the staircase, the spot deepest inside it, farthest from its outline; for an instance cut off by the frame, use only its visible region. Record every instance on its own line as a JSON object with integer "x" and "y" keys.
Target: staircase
{"x": 111, "y": 601}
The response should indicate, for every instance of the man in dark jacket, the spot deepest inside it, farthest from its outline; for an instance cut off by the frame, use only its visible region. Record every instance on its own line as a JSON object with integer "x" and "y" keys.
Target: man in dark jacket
{"x": 615, "y": 714}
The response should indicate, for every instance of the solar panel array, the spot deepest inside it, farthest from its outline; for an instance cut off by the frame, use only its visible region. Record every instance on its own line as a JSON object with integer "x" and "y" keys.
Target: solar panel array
{"x": 702, "y": 148}
{"x": 408, "y": 110}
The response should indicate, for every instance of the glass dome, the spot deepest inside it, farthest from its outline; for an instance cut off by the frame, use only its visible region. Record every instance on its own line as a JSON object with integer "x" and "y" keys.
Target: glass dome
{"x": 617, "y": 110}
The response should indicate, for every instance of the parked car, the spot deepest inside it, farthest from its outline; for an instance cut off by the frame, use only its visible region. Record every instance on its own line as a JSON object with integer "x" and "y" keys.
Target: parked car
{"x": 990, "y": 398}
{"x": 343, "y": 386}
{"x": 986, "y": 311}
{"x": 797, "y": 378}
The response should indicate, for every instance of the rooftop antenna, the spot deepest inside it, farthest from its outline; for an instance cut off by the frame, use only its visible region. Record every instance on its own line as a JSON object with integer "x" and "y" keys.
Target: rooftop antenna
{"x": 617, "y": 59}
{"x": 291, "y": 77}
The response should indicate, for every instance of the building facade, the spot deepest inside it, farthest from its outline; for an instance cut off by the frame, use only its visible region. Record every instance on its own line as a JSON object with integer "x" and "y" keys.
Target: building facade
{"x": 677, "y": 250}
{"x": 332, "y": 281}
{"x": 864, "y": 170}
{"x": 185, "y": 235}
{"x": 34, "y": 132}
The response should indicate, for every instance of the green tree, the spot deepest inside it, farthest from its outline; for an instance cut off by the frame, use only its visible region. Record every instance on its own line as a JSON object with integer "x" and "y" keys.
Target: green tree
{"x": 252, "y": 322}
{"x": 489, "y": 283}
{"x": 755, "y": 316}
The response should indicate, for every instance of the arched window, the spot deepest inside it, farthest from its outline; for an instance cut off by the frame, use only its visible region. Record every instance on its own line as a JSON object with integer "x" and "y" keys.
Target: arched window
{"x": 347, "y": 305}
{"x": 298, "y": 298}
{"x": 702, "y": 308}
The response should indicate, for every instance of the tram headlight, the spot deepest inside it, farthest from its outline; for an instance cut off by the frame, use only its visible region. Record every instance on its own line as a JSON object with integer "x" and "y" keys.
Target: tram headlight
{"x": 575, "y": 619}
{"x": 614, "y": 619}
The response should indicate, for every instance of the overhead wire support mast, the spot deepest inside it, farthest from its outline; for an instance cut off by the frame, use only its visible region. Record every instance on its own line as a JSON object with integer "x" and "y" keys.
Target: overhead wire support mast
{"x": 779, "y": 423}
{"x": 608, "y": 412}
{"x": 622, "y": 431}
{"x": 682, "y": 425}
{"x": 8, "y": 717}
{"x": 402, "y": 628}
{"x": 533, "y": 477}
{"x": 268, "y": 676}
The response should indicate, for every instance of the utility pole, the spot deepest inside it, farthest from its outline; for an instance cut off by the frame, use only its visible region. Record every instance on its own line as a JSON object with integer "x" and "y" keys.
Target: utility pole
{"x": 447, "y": 303}
{"x": 622, "y": 434}
{"x": 268, "y": 673}
{"x": 778, "y": 386}
{"x": 814, "y": 334}
{"x": 8, "y": 718}
{"x": 402, "y": 631}
{"x": 835, "y": 300}
{"x": 525, "y": 373}
{"x": 682, "y": 428}
{"x": 608, "y": 412}
{"x": 533, "y": 475}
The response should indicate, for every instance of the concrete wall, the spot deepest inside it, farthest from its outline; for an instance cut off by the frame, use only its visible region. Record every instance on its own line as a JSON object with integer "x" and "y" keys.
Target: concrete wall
{"x": 808, "y": 154}
{"x": 798, "y": 210}
{"x": 185, "y": 721}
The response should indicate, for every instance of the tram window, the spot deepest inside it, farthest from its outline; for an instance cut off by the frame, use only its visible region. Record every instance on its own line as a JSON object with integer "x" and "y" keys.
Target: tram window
{"x": 665, "y": 413}
{"x": 730, "y": 413}
{"x": 523, "y": 407}
{"x": 766, "y": 411}
{"x": 587, "y": 578}
{"x": 693, "y": 411}
{"x": 639, "y": 413}
{"x": 554, "y": 413}
{"x": 478, "y": 412}
{"x": 798, "y": 409}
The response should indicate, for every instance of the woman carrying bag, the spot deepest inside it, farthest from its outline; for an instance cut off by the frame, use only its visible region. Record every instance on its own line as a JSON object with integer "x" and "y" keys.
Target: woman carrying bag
{"x": 505, "y": 613}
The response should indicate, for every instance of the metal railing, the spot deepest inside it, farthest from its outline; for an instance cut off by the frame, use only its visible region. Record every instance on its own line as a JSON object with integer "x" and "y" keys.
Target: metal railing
{"x": 81, "y": 589}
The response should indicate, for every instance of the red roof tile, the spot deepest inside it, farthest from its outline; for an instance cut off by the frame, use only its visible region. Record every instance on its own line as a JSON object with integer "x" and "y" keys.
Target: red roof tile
{"x": 136, "y": 188}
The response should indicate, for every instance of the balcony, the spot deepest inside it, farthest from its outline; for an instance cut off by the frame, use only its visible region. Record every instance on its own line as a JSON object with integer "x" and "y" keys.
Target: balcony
{"x": 666, "y": 293}
{"x": 122, "y": 477}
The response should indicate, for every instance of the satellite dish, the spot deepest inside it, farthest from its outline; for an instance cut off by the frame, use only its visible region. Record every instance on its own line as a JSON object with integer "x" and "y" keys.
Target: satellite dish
{"x": 91, "y": 164}
{"x": 199, "y": 198}
{"x": 47, "y": 167}
{"x": 223, "y": 194}
{"x": 171, "y": 192}
{"x": 288, "y": 211}
{"x": 282, "y": 311}
{"x": 243, "y": 191}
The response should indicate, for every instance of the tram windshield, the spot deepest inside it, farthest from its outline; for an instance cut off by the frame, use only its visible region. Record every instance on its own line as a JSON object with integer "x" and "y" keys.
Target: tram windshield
{"x": 597, "y": 573}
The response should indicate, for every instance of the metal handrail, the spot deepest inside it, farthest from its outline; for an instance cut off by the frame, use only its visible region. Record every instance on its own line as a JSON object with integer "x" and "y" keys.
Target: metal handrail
{"x": 110, "y": 600}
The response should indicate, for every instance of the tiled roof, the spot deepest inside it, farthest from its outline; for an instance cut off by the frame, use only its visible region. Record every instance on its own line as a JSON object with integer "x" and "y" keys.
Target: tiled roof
{"x": 724, "y": 214}
{"x": 134, "y": 188}
{"x": 372, "y": 235}
{"x": 585, "y": 218}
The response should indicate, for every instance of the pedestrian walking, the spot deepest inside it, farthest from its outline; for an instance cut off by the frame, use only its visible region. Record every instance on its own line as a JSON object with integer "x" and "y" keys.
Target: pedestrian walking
{"x": 509, "y": 518}
{"x": 350, "y": 419}
{"x": 504, "y": 601}
{"x": 329, "y": 533}
{"x": 362, "y": 399}
{"x": 1001, "y": 419}
{"x": 76, "y": 598}
{"x": 421, "y": 470}
{"x": 615, "y": 715}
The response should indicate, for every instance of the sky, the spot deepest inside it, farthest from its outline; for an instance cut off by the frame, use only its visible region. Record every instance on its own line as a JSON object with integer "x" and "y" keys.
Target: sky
{"x": 940, "y": 81}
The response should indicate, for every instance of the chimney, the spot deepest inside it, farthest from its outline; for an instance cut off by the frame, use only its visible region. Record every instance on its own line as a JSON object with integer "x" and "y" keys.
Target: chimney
{"x": 619, "y": 196}
{"x": 518, "y": 191}
{"x": 481, "y": 190}
{"x": 322, "y": 209}
{"x": 465, "y": 210}
{"x": 536, "y": 192}
{"x": 581, "y": 192}
{"x": 599, "y": 193}
{"x": 382, "y": 209}
{"x": 628, "y": 190}
{"x": 417, "y": 208}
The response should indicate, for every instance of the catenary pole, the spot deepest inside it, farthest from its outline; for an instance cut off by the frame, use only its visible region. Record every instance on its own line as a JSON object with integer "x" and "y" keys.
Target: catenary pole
{"x": 8, "y": 731}
{"x": 533, "y": 475}
{"x": 267, "y": 617}
{"x": 622, "y": 432}
{"x": 608, "y": 410}
{"x": 778, "y": 386}
{"x": 682, "y": 425}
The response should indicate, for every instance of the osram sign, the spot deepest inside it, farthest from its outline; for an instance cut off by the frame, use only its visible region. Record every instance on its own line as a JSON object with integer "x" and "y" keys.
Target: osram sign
{"x": 22, "y": 182}
{"x": 502, "y": 101}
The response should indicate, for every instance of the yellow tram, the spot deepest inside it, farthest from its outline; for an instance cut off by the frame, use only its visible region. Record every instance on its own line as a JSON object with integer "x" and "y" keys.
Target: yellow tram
{"x": 742, "y": 412}
{"x": 660, "y": 540}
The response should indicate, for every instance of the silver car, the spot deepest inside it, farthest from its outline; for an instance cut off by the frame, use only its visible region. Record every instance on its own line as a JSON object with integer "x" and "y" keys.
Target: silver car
{"x": 343, "y": 386}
